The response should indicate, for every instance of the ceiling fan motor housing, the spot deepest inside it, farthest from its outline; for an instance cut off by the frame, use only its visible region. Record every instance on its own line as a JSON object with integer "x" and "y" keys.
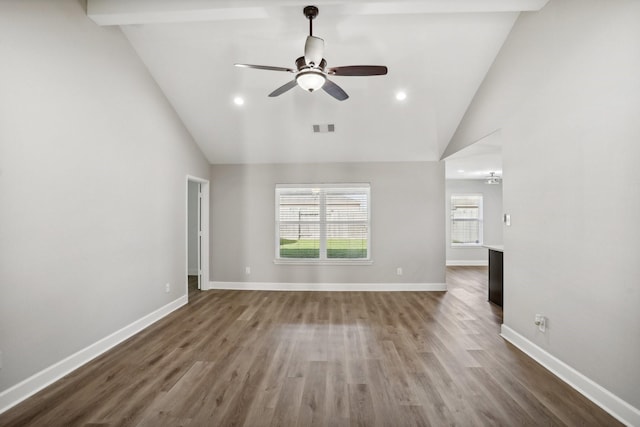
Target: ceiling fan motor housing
{"x": 301, "y": 64}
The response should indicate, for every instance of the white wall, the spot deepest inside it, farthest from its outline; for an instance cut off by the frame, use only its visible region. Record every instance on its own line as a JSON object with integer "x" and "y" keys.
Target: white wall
{"x": 407, "y": 214}
{"x": 492, "y": 220}
{"x": 565, "y": 90}
{"x": 192, "y": 232}
{"x": 93, "y": 162}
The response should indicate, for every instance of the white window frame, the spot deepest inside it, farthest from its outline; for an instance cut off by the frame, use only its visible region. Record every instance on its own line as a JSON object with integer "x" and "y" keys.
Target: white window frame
{"x": 323, "y": 260}
{"x": 480, "y": 221}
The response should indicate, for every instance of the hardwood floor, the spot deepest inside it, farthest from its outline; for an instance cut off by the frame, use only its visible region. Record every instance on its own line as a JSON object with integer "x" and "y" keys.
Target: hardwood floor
{"x": 233, "y": 358}
{"x": 192, "y": 287}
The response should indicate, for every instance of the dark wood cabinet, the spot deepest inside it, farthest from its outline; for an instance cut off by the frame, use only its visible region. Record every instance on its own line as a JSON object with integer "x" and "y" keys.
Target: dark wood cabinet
{"x": 495, "y": 277}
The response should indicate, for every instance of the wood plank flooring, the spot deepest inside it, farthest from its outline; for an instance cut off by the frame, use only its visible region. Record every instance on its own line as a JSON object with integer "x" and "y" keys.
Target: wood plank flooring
{"x": 243, "y": 358}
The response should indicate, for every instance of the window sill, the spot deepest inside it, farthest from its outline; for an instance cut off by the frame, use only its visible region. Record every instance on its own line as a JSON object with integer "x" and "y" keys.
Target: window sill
{"x": 322, "y": 262}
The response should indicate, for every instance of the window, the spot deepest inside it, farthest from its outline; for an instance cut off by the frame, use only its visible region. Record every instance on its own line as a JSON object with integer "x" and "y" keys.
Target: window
{"x": 466, "y": 220}
{"x": 318, "y": 223}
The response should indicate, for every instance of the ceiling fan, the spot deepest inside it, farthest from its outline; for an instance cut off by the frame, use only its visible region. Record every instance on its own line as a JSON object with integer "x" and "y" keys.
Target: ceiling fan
{"x": 492, "y": 179}
{"x": 311, "y": 69}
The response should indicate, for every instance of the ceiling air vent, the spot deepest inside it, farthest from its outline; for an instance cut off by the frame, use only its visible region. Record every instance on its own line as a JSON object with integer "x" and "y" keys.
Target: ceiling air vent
{"x": 324, "y": 128}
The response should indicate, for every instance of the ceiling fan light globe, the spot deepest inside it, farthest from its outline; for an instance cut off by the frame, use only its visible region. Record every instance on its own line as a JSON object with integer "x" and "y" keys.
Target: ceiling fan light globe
{"x": 311, "y": 80}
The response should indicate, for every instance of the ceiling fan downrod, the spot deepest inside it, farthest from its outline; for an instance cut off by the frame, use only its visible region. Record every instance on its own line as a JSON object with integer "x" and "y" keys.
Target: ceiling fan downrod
{"x": 310, "y": 12}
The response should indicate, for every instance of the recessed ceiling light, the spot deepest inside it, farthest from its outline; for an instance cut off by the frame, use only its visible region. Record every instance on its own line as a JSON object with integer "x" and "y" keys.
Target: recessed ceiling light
{"x": 401, "y": 96}
{"x": 460, "y": 170}
{"x": 238, "y": 100}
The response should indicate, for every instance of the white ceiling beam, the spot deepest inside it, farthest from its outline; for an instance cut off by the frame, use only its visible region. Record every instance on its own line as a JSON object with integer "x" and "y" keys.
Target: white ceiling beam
{"x": 128, "y": 12}
{"x": 445, "y": 6}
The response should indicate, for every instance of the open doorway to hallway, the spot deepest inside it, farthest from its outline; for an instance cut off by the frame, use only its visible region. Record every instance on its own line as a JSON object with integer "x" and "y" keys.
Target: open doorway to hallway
{"x": 197, "y": 270}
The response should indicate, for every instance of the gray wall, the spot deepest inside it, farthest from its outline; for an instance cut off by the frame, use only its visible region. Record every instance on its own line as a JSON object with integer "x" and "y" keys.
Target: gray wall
{"x": 407, "y": 214}
{"x": 93, "y": 165}
{"x": 492, "y": 218}
{"x": 566, "y": 93}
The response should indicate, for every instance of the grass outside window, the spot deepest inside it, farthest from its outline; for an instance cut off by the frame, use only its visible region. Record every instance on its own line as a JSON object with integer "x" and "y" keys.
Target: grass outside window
{"x": 336, "y": 248}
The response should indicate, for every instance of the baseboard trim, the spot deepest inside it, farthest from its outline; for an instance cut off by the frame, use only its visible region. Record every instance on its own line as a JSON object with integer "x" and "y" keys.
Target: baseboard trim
{"x": 467, "y": 263}
{"x": 599, "y": 395}
{"x": 334, "y": 287}
{"x": 27, "y": 388}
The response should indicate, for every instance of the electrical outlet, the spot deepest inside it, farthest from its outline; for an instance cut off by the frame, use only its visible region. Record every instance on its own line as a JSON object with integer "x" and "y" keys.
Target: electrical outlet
{"x": 167, "y": 287}
{"x": 399, "y": 271}
{"x": 247, "y": 270}
{"x": 541, "y": 322}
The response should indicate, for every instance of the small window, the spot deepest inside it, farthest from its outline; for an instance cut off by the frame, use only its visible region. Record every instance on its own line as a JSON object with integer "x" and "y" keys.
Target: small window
{"x": 322, "y": 223}
{"x": 466, "y": 220}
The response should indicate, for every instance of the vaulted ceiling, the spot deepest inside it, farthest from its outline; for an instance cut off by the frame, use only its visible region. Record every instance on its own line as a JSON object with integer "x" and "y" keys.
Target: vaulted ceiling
{"x": 437, "y": 52}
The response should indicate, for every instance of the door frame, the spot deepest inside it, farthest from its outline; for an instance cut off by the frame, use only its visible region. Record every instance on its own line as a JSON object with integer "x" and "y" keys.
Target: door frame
{"x": 204, "y": 220}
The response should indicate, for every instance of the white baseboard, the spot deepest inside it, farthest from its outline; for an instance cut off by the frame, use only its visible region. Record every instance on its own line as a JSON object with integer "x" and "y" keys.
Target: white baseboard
{"x": 47, "y": 376}
{"x": 599, "y": 395}
{"x": 467, "y": 263}
{"x": 334, "y": 287}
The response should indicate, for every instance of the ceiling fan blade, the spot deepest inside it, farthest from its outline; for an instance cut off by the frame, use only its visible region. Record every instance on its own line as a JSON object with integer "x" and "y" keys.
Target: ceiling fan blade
{"x": 334, "y": 90}
{"x": 313, "y": 50}
{"x": 265, "y": 67}
{"x": 358, "y": 70}
{"x": 282, "y": 89}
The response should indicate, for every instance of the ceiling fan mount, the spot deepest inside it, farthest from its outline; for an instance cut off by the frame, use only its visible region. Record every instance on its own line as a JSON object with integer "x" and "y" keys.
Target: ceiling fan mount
{"x": 310, "y": 12}
{"x": 311, "y": 69}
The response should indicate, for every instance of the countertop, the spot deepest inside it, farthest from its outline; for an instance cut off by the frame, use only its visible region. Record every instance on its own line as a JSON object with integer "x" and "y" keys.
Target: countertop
{"x": 499, "y": 248}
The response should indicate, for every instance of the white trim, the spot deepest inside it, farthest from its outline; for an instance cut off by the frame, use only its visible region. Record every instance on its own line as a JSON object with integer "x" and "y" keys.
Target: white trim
{"x": 341, "y": 185}
{"x": 467, "y": 263}
{"x": 47, "y": 376}
{"x": 331, "y": 261}
{"x": 599, "y": 395}
{"x": 334, "y": 287}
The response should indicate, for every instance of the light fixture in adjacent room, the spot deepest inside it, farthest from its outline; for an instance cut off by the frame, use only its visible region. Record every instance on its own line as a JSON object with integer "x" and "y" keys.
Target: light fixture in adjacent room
{"x": 310, "y": 80}
{"x": 492, "y": 179}
{"x": 401, "y": 96}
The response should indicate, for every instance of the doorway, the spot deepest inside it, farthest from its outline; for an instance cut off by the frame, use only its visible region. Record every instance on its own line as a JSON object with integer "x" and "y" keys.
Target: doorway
{"x": 197, "y": 245}
{"x": 474, "y": 170}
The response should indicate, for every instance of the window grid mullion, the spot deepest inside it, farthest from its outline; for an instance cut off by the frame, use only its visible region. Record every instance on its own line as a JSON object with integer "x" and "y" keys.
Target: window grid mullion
{"x": 323, "y": 225}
